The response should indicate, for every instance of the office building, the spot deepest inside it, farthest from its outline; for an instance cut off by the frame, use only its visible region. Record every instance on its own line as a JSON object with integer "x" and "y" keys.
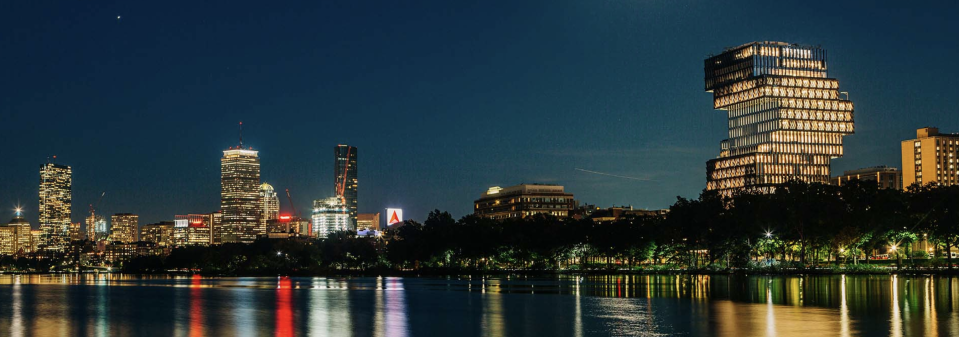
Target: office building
{"x": 193, "y": 230}
{"x": 345, "y": 181}
{"x": 124, "y": 227}
{"x": 524, "y": 200}
{"x": 56, "y": 197}
{"x": 368, "y": 221}
{"x": 330, "y": 215}
{"x": 786, "y": 117}
{"x": 216, "y": 228}
{"x": 930, "y": 158}
{"x": 885, "y": 177}
{"x": 15, "y": 236}
{"x": 269, "y": 208}
{"x": 240, "y": 194}
{"x": 160, "y": 233}
{"x": 75, "y": 232}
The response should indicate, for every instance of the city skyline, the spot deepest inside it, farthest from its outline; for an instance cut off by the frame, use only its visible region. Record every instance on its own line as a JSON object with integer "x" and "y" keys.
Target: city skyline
{"x": 600, "y": 76}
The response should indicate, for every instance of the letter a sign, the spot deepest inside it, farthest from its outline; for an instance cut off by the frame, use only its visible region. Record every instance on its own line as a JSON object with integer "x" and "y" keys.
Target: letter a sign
{"x": 394, "y": 216}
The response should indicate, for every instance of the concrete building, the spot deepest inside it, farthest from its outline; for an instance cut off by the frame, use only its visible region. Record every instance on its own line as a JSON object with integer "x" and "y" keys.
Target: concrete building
{"x": 524, "y": 200}
{"x": 786, "y": 117}
{"x": 885, "y": 177}
{"x": 931, "y": 157}
{"x": 15, "y": 236}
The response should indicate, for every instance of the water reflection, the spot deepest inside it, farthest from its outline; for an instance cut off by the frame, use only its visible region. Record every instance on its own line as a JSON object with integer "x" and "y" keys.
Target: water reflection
{"x": 108, "y": 304}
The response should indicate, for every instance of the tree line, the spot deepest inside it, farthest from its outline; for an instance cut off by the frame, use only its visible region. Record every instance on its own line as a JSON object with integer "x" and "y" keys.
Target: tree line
{"x": 799, "y": 225}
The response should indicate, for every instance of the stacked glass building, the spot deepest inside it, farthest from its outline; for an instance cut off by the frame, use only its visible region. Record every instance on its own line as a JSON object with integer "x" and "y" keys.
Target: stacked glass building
{"x": 786, "y": 117}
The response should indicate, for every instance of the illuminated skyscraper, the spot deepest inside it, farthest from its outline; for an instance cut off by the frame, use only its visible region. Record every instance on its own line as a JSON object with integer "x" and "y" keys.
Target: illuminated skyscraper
{"x": 240, "y": 194}
{"x": 330, "y": 215}
{"x": 56, "y": 183}
{"x": 124, "y": 227}
{"x": 269, "y": 208}
{"x": 786, "y": 117}
{"x": 345, "y": 180}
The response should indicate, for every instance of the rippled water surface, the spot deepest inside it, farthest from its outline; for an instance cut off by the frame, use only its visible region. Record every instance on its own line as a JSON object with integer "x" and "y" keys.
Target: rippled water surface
{"x": 114, "y": 305}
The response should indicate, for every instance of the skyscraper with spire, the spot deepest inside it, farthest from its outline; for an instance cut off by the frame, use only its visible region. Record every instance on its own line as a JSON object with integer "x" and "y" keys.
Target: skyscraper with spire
{"x": 344, "y": 179}
{"x": 239, "y": 193}
{"x": 56, "y": 197}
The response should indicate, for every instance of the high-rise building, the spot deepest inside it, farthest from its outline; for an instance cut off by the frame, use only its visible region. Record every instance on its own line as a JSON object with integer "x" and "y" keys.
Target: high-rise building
{"x": 344, "y": 180}
{"x": 124, "y": 227}
{"x": 15, "y": 236}
{"x": 368, "y": 221}
{"x": 886, "y": 177}
{"x": 786, "y": 117}
{"x": 216, "y": 227}
{"x": 160, "y": 233}
{"x": 56, "y": 184}
{"x": 269, "y": 208}
{"x": 240, "y": 194}
{"x": 524, "y": 200}
{"x": 932, "y": 157}
{"x": 330, "y": 215}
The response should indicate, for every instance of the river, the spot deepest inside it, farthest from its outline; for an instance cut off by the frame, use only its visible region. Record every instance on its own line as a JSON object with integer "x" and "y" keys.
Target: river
{"x": 565, "y": 305}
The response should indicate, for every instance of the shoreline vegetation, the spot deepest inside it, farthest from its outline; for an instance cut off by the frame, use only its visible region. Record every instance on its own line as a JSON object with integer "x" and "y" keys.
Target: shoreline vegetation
{"x": 798, "y": 229}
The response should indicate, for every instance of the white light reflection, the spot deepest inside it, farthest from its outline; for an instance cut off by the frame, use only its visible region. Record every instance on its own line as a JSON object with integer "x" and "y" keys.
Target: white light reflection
{"x": 395, "y": 308}
{"x": 896, "y": 328}
{"x": 16, "y": 326}
{"x": 770, "y": 313}
{"x": 843, "y": 308}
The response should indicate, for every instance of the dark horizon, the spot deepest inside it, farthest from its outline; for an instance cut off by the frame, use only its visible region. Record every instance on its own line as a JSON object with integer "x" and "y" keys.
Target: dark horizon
{"x": 443, "y": 99}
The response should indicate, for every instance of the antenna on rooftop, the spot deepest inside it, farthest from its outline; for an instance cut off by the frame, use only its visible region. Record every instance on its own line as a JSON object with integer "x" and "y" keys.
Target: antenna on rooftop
{"x": 241, "y": 134}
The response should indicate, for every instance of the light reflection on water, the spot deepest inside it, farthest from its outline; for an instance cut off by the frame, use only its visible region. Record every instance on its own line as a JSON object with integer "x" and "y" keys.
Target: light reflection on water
{"x": 107, "y": 305}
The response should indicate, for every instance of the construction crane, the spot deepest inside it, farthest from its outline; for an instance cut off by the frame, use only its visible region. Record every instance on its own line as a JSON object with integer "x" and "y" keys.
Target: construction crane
{"x": 93, "y": 207}
{"x": 290, "y": 199}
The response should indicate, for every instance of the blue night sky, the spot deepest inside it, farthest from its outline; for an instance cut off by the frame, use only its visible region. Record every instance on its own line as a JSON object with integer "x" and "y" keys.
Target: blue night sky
{"x": 442, "y": 98}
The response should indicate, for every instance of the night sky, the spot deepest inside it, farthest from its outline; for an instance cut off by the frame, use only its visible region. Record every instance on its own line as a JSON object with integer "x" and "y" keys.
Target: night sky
{"x": 442, "y": 98}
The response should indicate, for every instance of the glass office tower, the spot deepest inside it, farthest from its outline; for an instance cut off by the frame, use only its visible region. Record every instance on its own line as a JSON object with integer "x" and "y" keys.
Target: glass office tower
{"x": 786, "y": 116}
{"x": 56, "y": 198}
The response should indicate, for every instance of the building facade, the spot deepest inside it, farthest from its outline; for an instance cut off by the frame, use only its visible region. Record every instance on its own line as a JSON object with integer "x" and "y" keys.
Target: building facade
{"x": 15, "y": 236}
{"x": 931, "y": 157}
{"x": 160, "y": 233}
{"x": 124, "y": 227}
{"x": 524, "y": 200}
{"x": 345, "y": 178}
{"x": 240, "y": 194}
{"x": 786, "y": 117}
{"x": 885, "y": 177}
{"x": 368, "y": 221}
{"x": 269, "y": 207}
{"x": 193, "y": 230}
{"x": 330, "y": 215}
{"x": 56, "y": 198}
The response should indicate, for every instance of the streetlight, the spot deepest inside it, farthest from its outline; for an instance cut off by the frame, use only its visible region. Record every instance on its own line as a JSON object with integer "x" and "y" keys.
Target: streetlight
{"x": 279, "y": 253}
{"x": 769, "y": 234}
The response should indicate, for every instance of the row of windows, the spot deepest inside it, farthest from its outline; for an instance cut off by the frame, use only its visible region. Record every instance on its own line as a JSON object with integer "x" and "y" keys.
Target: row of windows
{"x": 773, "y": 91}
